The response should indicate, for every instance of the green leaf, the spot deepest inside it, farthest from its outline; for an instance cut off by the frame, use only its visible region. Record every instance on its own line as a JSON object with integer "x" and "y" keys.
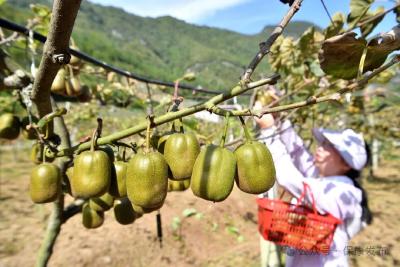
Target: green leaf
{"x": 40, "y": 10}
{"x": 316, "y": 69}
{"x": 369, "y": 27}
{"x": 306, "y": 39}
{"x": 335, "y": 27}
{"x": 2, "y": 2}
{"x": 199, "y": 216}
{"x": 176, "y": 223}
{"x": 384, "y": 77}
{"x": 233, "y": 230}
{"x": 240, "y": 238}
{"x": 358, "y": 9}
{"x": 189, "y": 212}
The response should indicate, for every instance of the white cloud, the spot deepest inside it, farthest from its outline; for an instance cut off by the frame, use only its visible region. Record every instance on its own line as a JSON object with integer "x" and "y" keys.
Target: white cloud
{"x": 188, "y": 10}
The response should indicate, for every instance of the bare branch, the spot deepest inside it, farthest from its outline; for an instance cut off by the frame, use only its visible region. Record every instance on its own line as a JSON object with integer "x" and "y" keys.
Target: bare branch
{"x": 55, "y": 53}
{"x": 265, "y": 46}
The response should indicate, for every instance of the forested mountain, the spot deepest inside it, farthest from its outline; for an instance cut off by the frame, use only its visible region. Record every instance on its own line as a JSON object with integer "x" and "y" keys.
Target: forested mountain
{"x": 162, "y": 48}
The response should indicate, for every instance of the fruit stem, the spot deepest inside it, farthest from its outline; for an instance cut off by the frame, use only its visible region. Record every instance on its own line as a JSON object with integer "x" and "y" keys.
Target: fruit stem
{"x": 246, "y": 130}
{"x": 222, "y": 144}
{"x": 180, "y": 125}
{"x": 94, "y": 139}
{"x": 148, "y": 136}
{"x": 44, "y": 153}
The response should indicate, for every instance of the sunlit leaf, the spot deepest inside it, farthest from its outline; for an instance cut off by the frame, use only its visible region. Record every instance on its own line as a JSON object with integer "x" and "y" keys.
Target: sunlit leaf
{"x": 358, "y": 9}
{"x": 199, "y": 216}
{"x": 306, "y": 39}
{"x": 233, "y": 230}
{"x": 176, "y": 223}
{"x": 189, "y": 212}
{"x": 335, "y": 27}
{"x": 384, "y": 76}
{"x": 315, "y": 68}
{"x": 369, "y": 27}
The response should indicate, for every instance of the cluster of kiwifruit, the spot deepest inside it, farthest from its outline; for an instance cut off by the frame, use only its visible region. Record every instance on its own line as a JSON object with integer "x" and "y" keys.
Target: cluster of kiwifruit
{"x": 140, "y": 185}
{"x": 96, "y": 177}
{"x": 211, "y": 172}
{"x": 67, "y": 82}
{"x": 11, "y": 126}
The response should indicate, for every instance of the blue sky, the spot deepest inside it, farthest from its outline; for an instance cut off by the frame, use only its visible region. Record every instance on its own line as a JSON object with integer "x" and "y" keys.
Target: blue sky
{"x": 244, "y": 16}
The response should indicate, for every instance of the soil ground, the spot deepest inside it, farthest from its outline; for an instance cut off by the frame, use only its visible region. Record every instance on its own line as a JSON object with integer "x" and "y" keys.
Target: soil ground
{"x": 218, "y": 234}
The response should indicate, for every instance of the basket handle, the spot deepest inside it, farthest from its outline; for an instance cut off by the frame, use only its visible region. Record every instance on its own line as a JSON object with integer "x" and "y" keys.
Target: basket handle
{"x": 303, "y": 194}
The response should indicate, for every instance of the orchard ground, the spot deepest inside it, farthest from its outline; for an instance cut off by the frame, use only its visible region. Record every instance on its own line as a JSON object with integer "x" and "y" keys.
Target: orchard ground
{"x": 217, "y": 234}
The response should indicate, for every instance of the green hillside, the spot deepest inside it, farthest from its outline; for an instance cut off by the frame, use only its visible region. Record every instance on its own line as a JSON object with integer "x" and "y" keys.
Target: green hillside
{"x": 162, "y": 48}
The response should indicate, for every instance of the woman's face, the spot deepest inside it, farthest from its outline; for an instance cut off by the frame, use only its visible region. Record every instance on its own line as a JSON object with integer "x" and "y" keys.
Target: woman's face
{"x": 328, "y": 160}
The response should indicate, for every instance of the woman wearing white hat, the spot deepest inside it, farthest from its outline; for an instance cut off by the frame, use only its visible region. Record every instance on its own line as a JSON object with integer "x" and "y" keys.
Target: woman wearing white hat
{"x": 332, "y": 176}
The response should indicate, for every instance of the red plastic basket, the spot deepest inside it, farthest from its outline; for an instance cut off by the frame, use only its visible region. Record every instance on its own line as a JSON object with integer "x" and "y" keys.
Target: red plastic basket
{"x": 296, "y": 226}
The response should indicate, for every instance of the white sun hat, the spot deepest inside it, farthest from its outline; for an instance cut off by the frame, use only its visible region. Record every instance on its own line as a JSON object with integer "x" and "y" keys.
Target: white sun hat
{"x": 349, "y": 144}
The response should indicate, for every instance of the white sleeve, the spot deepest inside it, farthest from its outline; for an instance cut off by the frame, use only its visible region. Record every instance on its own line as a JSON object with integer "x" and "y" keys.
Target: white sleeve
{"x": 301, "y": 157}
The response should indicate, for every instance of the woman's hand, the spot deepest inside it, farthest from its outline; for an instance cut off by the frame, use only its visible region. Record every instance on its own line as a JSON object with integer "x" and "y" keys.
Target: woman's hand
{"x": 266, "y": 121}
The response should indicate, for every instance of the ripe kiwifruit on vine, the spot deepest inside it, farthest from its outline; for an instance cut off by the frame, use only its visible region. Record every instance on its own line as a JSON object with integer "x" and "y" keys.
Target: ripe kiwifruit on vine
{"x": 213, "y": 173}
{"x": 118, "y": 182}
{"x": 92, "y": 174}
{"x": 31, "y": 133}
{"x": 147, "y": 179}
{"x": 140, "y": 210}
{"x": 85, "y": 95}
{"x": 36, "y": 154}
{"x": 45, "y": 184}
{"x": 9, "y": 126}
{"x": 58, "y": 85}
{"x": 177, "y": 186}
{"x": 124, "y": 212}
{"x": 102, "y": 203}
{"x": 76, "y": 85}
{"x": 161, "y": 140}
{"x": 180, "y": 152}
{"x": 255, "y": 168}
{"x": 90, "y": 218}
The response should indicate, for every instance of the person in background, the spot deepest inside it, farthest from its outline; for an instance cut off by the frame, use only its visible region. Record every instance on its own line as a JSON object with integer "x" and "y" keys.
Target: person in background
{"x": 332, "y": 174}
